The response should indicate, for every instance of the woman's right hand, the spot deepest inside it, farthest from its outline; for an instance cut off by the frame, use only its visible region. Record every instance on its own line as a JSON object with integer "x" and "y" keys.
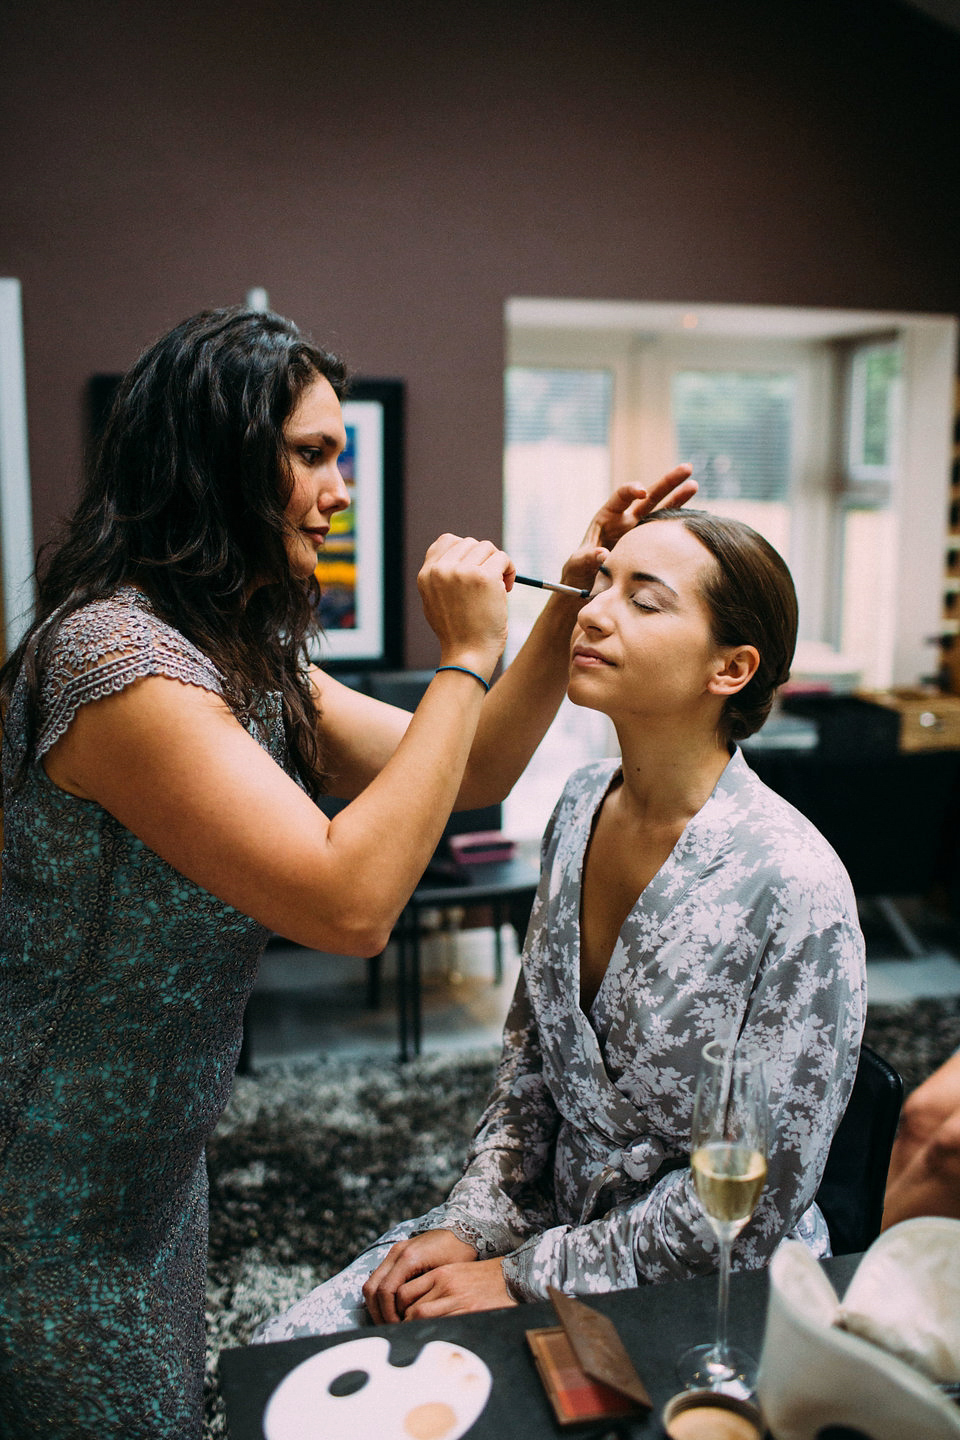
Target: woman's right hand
{"x": 463, "y": 585}
{"x": 402, "y": 1262}
{"x": 619, "y": 514}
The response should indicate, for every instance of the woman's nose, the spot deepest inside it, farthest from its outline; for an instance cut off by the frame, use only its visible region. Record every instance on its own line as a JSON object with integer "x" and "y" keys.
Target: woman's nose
{"x": 592, "y": 615}
{"x": 335, "y": 496}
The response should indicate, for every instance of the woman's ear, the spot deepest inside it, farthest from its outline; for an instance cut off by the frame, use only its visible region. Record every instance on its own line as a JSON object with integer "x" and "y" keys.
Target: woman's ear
{"x": 735, "y": 669}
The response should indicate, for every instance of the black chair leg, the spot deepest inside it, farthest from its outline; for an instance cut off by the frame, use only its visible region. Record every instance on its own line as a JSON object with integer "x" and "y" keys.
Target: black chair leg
{"x": 374, "y": 973}
{"x": 416, "y": 997}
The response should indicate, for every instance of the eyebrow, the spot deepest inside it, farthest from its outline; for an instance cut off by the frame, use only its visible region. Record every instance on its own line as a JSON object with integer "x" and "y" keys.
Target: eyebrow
{"x": 314, "y": 438}
{"x": 642, "y": 577}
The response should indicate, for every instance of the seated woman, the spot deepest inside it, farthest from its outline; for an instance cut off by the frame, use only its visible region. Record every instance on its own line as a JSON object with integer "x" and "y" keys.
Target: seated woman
{"x": 680, "y": 899}
{"x": 924, "y": 1177}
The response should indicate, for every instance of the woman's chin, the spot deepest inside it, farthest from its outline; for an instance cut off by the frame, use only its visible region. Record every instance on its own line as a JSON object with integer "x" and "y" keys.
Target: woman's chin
{"x": 579, "y": 694}
{"x": 303, "y": 561}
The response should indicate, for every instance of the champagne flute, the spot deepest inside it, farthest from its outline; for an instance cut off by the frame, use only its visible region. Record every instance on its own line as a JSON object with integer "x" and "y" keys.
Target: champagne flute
{"x": 728, "y": 1157}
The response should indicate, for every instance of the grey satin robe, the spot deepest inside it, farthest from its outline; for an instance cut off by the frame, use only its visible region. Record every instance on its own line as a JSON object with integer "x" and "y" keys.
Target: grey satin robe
{"x": 578, "y": 1171}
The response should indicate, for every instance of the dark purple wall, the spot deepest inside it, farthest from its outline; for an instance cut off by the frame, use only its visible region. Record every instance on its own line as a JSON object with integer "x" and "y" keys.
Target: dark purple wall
{"x": 391, "y": 173}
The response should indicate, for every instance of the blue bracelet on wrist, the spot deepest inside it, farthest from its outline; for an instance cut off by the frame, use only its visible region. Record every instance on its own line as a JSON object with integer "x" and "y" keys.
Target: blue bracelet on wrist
{"x": 464, "y": 671}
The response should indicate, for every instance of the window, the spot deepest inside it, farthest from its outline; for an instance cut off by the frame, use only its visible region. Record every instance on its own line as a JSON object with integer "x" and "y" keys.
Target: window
{"x": 736, "y": 428}
{"x": 557, "y": 472}
{"x": 874, "y": 411}
{"x": 798, "y": 422}
{"x": 866, "y": 521}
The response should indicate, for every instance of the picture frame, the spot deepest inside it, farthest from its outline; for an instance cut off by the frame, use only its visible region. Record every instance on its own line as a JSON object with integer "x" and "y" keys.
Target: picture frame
{"x": 360, "y": 568}
{"x": 17, "y": 589}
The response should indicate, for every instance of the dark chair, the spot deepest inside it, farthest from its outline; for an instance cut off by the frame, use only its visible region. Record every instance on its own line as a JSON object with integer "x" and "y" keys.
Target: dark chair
{"x": 855, "y": 1177}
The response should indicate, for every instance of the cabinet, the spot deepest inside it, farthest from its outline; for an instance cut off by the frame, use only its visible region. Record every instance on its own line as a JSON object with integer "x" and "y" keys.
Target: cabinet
{"x": 950, "y": 632}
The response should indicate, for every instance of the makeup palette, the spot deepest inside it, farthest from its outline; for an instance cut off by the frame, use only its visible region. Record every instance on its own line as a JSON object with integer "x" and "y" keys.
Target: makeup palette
{"x": 352, "y": 1392}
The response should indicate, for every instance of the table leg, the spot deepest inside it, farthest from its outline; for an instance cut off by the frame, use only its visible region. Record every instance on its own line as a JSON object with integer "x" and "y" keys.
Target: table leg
{"x": 400, "y": 934}
{"x": 497, "y": 944}
{"x": 416, "y": 1008}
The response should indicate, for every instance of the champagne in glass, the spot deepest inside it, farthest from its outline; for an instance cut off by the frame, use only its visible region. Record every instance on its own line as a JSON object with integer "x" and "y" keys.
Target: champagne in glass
{"x": 728, "y": 1158}
{"x": 729, "y": 1179}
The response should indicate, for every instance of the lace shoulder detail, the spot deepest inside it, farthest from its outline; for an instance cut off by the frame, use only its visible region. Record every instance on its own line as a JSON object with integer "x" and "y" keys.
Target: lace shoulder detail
{"x": 106, "y": 646}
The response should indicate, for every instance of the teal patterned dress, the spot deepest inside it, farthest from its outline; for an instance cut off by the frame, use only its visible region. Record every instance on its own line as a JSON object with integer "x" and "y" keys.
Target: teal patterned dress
{"x": 122, "y": 990}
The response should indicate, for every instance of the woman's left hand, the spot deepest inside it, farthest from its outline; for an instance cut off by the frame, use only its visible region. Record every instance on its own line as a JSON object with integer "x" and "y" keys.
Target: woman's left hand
{"x": 619, "y": 514}
{"x": 455, "y": 1290}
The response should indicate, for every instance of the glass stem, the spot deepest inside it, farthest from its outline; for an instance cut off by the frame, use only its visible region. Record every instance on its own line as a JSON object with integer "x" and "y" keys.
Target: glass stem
{"x": 723, "y": 1297}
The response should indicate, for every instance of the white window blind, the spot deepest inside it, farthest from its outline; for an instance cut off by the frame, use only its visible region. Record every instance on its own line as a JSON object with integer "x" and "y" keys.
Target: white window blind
{"x": 736, "y": 429}
{"x": 572, "y": 406}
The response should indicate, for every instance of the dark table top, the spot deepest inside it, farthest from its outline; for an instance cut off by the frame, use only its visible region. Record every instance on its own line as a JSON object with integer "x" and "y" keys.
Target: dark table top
{"x": 655, "y": 1323}
{"x": 489, "y": 880}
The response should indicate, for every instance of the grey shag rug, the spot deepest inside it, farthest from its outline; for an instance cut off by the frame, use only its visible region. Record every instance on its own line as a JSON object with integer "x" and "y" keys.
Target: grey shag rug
{"x": 312, "y": 1162}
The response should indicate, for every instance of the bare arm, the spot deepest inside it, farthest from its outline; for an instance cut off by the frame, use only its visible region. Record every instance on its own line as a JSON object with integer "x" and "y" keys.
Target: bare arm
{"x": 172, "y": 764}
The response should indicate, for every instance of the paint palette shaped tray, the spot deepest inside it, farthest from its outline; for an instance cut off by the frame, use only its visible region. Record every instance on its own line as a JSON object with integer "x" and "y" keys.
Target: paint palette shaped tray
{"x": 353, "y": 1392}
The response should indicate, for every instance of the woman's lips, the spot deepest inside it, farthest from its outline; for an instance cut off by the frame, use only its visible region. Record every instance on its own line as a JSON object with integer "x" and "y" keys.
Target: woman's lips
{"x": 589, "y": 657}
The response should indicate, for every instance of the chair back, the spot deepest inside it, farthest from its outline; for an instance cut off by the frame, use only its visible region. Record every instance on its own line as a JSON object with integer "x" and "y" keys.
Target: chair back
{"x": 855, "y": 1176}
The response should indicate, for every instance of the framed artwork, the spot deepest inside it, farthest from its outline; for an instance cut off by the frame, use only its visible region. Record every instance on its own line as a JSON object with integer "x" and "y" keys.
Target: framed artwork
{"x": 16, "y": 522}
{"x": 360, "y": 567}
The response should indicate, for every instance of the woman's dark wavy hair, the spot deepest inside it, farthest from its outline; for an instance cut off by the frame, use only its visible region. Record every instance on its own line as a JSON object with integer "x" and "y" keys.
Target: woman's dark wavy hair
{"x": 750, "y": 595}
{"x": 184, "y": 496}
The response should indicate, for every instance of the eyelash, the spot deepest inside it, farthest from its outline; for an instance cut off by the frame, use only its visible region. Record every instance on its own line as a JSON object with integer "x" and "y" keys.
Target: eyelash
{"x": 311, "y": 456}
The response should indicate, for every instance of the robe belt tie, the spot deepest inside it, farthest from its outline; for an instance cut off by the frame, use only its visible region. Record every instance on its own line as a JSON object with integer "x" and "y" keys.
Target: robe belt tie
{"x": 632, "y": 1161}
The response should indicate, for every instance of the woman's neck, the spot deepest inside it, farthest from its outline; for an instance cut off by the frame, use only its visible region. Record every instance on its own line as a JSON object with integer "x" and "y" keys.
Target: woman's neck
{"x": 667, "y": 779}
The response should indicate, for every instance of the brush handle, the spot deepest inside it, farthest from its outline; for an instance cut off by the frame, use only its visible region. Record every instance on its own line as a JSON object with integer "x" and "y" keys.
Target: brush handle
{"x": 549, "y": 585}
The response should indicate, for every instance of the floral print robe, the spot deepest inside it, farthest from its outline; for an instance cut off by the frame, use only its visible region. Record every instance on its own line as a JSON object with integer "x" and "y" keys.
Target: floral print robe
{"x": 578, "y": 1173}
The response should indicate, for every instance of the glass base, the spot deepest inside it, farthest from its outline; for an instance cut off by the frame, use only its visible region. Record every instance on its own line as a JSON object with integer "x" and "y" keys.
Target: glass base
{"x": 705, "y": 1368}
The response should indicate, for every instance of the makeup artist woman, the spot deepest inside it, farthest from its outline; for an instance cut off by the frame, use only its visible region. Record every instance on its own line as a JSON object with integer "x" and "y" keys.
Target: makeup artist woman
{"x": 164, "y": 743}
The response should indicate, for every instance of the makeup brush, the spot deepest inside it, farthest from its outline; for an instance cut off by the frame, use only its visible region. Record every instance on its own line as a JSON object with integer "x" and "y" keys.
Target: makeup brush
{"x": 549, "y": 585}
